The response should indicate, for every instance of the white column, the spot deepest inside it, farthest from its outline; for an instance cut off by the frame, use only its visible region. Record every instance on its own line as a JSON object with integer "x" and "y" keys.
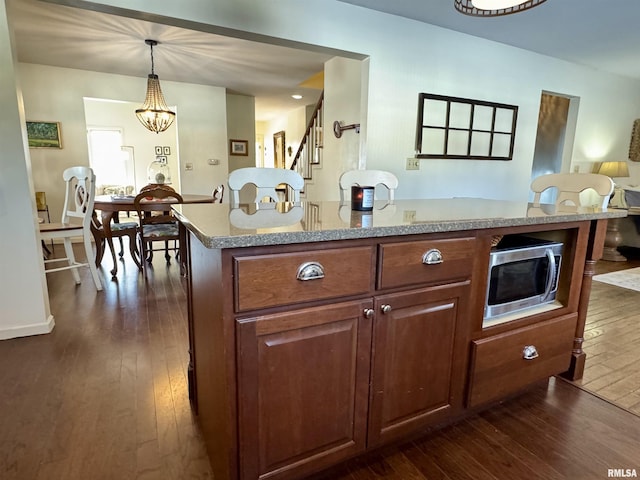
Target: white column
{"x": 24, "y": 300}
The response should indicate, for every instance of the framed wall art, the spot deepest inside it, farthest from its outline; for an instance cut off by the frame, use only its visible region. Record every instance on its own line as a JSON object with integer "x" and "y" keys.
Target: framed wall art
{"x": 44, "y": 135}
{"x": 464, "y": 128}
{"x": 239, "y": 147}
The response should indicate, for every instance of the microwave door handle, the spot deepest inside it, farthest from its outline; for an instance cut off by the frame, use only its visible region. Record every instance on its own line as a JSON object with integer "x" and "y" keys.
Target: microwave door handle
{"x": 551, "y": 274}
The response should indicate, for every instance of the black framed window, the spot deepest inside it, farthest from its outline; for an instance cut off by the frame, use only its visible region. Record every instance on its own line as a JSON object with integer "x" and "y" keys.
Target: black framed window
{"x": 452, "y": 127}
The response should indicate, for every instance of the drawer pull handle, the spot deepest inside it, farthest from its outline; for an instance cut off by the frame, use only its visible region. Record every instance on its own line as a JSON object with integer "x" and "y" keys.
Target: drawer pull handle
{"x": 310, "y": 271}
{"x": 432, "y": 257}
{"x": 530, "y": 352}
{"x": 368, "y": 312}
{"x": 385, "y": 308}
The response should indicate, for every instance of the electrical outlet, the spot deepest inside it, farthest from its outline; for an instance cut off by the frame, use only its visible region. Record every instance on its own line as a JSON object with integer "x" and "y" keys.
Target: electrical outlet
{"x": 409, "y": 216}
{"x": 188, "y": 166}
{"x": 413, "y": 164}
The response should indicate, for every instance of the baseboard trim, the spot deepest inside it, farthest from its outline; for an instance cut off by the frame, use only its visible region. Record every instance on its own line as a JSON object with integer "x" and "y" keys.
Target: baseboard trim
{"x": 28, "y": 330}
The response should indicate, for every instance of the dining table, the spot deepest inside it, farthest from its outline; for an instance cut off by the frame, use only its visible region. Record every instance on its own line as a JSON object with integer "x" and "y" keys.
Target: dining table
{"x": 110, "y": 207}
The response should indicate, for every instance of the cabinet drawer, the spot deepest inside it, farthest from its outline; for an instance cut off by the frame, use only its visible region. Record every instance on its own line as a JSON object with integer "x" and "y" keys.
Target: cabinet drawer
{"x": 271, "y": 280}
{"x": 498, "y": 365}
{"x": 402, "y": 262}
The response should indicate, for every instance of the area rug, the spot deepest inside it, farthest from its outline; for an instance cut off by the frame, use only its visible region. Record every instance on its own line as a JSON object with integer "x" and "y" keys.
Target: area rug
{"x": 629, "y": 278}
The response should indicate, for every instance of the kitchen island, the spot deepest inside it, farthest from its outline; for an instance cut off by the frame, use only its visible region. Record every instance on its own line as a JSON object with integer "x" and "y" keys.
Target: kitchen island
{"x": 318, "y": 333}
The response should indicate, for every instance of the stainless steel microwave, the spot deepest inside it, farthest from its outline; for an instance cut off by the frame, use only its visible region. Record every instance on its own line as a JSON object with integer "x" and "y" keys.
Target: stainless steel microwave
{"x": 523, "y": 273}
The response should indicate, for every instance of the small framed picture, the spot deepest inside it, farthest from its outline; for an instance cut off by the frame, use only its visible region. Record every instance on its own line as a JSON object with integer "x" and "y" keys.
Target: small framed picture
{"x": 162, "y": 159}
{"x": 239, "y": 147}
{"x": 44, "y": 135}
{"x": 158, "y": 150}
{"x": 166, "y": 150}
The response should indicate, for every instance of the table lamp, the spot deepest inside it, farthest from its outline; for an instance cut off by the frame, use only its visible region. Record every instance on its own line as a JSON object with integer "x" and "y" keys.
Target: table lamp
{"x": 614, "y": 169}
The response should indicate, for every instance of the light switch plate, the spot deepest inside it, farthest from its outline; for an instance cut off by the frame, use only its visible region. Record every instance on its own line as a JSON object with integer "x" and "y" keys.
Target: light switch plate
{"x": 413, "y": 164}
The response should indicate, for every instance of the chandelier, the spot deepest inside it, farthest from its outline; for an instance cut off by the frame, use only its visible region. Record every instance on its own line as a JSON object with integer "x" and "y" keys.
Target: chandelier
{"x": 154, "y": 113}
{"x": 494, "y": 8}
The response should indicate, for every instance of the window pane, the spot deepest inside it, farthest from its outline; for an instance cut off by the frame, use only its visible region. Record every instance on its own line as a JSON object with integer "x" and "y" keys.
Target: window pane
{"x": 112, "y": 165}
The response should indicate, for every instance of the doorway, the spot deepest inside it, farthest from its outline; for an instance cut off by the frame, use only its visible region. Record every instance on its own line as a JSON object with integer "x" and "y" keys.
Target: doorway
{"x": 278, "y": 149}
{"x": 554, "y": 140}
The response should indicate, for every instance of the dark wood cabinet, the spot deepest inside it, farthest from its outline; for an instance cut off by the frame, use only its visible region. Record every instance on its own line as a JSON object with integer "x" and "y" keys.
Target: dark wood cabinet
{"x": 505, "y": 363}
{"x": 417, "y": 375}
{"x": 384, "y": 339}
{"x": 303, "y": 389}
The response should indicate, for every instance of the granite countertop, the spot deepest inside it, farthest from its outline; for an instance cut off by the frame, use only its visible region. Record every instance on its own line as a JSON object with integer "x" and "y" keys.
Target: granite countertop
{"x": 221, "y": 226}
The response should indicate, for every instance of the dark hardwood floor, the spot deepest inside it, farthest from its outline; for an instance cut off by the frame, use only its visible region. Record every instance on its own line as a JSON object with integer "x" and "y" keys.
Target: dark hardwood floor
{"x": 612, "y": 338}
{"x": 104, "y": 396}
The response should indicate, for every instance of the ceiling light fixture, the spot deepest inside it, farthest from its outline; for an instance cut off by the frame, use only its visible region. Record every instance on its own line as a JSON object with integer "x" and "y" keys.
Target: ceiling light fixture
{"x": 494, "y": 8}
{"x": 296, "y": 96}
{"x": 154, "y": 113}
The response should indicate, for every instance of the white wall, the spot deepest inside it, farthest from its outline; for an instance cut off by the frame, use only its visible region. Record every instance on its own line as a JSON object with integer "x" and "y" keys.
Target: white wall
{"x": 24, "y": 304}
{"x": 409, "y": 57}
{"x": 52, "y": 93}
{"x": 342, "y": 102}
{"x": 241, "y": 125}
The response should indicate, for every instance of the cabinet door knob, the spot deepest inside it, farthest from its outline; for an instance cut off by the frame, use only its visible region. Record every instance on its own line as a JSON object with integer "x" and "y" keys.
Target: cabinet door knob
{"x": 310, "y": 271}
{"x": 432, "y": 257}
{"x": 530, "y": 352}
{"x": 368, "y": 312}
{"x": 385, "y": 308}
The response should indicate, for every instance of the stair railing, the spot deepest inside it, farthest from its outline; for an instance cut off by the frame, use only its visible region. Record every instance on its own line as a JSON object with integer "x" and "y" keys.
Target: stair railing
{"x": 310, "y": 150}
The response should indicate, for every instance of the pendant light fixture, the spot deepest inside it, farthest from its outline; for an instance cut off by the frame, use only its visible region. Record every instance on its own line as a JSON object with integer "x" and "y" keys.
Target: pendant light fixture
{"x": 494, "y": 8}
{"x": 154, "y": 113}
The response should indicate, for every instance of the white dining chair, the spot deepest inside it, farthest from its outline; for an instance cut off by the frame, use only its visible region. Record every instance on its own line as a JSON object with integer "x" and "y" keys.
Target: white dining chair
{"x": 570, "y": 185}
{"x": 266, "y": 180}
{"x": 368, "y": 178}
{"x": 80, "y": 183}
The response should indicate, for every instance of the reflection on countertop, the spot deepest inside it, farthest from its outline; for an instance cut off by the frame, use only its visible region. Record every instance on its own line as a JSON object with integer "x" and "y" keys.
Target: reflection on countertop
{"x": 223, "y": 226}
{"x": 283, "y": 216}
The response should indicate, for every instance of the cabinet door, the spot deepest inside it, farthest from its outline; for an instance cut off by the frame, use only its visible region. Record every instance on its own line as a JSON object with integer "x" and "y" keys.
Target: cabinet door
{"x": 303, "y": 389}
{"x": 418, "y": 360}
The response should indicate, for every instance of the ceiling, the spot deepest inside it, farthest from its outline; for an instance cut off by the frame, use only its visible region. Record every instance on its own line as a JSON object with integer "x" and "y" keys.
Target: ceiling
{"x": 587, "y": 32}
{"x": 603, "y": 34}
{"x": 56, "y": 35}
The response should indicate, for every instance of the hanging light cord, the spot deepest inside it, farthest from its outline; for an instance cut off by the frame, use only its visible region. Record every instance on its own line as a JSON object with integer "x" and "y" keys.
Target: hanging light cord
{"x": 152, "y": 71}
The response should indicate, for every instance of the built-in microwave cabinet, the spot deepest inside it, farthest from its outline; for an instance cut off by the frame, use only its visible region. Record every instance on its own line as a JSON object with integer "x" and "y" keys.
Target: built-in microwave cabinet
{"x": 535, "y": 343}
{"x": 575, "y": 239}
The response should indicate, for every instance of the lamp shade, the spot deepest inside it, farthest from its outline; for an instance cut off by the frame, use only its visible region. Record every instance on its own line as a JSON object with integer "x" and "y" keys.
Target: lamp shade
{"x": 614, "y": 169}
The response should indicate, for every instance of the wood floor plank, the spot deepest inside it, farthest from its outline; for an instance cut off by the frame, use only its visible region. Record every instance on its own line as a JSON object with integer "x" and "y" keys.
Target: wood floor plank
{"x": 495, "y": 459}
{"x": 503, "y": 442}
{"x": 451, "y": 455}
